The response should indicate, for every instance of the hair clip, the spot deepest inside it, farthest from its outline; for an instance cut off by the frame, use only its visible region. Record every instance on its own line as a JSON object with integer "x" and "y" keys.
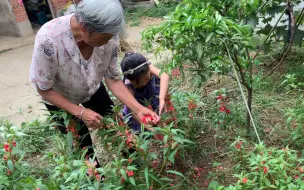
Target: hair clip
{"x": 131, "y": 71}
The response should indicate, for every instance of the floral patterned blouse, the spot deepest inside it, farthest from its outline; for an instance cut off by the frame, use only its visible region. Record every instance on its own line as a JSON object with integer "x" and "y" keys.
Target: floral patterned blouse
{"x": 57, "y": 62}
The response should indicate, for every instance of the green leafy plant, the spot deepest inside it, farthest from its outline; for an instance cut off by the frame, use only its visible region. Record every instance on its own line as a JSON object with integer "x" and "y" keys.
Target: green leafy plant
{"x": 197, "y": 34}
{"x": 268, "y": 168}
{"x": 290, "y": 82}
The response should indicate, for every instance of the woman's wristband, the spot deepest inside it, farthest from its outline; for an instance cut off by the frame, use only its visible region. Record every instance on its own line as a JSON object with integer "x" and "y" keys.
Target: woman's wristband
{"x": 81, "y": 113}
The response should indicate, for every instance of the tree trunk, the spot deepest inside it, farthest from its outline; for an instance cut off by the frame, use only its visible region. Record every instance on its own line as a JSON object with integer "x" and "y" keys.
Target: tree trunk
{"x": 249, "y": 102}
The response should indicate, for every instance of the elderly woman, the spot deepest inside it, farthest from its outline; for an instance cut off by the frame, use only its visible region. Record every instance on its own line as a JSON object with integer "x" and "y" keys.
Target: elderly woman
{"x": 72, "y": 55}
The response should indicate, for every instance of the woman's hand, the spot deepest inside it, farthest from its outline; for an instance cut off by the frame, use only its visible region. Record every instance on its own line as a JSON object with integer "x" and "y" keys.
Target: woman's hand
{"x": 153, "y": 120}
{"x": 162, "y": 105}
{"x": 91, "y": 119}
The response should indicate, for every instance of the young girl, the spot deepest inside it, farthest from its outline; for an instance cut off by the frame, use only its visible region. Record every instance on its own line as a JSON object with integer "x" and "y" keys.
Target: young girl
{"x": 146, "y": 83}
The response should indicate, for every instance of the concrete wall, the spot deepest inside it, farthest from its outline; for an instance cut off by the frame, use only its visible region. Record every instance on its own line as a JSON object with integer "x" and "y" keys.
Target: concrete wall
{"x": 8, "y": 24}
{"x": 13, "y": 19}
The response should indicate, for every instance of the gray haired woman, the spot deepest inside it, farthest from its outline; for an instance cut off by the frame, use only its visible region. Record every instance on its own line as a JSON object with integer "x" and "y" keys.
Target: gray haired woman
{"x": 72, "y": 55}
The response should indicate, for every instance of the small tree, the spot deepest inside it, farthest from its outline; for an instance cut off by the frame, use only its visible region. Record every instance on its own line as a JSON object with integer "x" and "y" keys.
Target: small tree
{"x": 198, "y": 34}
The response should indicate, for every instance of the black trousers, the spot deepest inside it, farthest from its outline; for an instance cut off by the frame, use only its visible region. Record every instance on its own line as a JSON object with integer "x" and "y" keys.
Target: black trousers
{"x": 101, "y": 103}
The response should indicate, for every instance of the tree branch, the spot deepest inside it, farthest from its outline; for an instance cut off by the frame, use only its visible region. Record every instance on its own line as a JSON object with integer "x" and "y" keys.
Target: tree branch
{"x": 292, "y": 35}
{"x": 261, "y": 47}
{"x": 236, "y": 61}
{"x": 301, "y": 16}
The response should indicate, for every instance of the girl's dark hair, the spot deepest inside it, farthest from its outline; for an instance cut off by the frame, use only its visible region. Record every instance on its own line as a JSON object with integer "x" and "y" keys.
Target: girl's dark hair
{"x": 131, "y": 61}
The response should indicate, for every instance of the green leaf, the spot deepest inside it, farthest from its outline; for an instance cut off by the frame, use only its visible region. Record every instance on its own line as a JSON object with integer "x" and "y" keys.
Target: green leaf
{"x": 199, "y": 50}
{"x": 171, "y": 156}
{"x": 165, "y": 139}
{"x": 77, "y": 163}
{"x": 123, "y": 173}
{"x": 147, "y": 176}
{"x": 10, "y": 165}
{"x": 213, "y": 185}
{"x": 131, "y": 168}
{"x": 208, "y": 37}
{"x": 176, "y": 173}
{"x": 70, "y": 139}
{"x": 131, "y": 179}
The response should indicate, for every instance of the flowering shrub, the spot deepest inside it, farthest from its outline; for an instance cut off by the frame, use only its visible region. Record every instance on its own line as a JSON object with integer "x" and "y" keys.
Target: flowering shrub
{"x": 14, "y": 172}
{"x": 148, "y": 160}
{"x": 268, "y": 168}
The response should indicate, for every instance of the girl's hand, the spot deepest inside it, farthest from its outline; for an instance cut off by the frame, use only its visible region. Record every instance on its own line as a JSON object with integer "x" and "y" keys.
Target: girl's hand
{"x": 162, "y": 105}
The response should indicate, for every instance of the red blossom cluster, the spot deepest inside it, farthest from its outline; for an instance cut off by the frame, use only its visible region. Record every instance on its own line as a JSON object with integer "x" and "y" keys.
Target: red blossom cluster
{"x": 175, "y": 72}
{"x": 198, "y": 172}
{"x": 244, "y": 180}
{"x": 192, "y": 106}
{"x": 169, "y": 105}
{"x": 92, "y": 170}
{"x": 146, "y": 118}
{"x": 129, "y": 136}
{"x": 72, "y": 128}
{"x": 8, "y": 147}
{"x": 223, "y": 100}
{"x": 129, "y": 173}
{"x": 238, "y": 145}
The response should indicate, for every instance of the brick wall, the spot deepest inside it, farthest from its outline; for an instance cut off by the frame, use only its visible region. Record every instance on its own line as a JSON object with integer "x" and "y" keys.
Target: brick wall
{"x": 57, "y": 4}
{"x": 19, "y": 11}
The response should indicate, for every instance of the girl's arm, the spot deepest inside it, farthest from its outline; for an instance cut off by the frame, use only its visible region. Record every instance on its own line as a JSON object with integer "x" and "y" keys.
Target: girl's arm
{"x": 164, "y": 85}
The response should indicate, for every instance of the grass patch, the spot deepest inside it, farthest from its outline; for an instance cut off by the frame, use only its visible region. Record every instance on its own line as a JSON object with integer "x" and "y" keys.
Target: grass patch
{"x": 133, "y": 15}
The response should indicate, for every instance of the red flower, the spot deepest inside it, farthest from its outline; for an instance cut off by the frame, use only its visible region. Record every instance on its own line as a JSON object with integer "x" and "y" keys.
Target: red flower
{"x": 127, "y": 132}
{"x": 222, "y": 109}
{"x": 154, "y": 164}
{"x": 194, "y": 176}
{"x": 219, "y": 97}
{"x": 37, "y": 188}
{"x": 238, "y": 145}
{"x": 219, "y": 148}
{"x": 301, "y": 169}
{"x": 130, "y": 173}
{"x": 130, "y": 160}
{"x": 145, "y": 118}
{"x": 296, "y": 177}
{"x": 98, "y": 177}
{"x": 265, "y": 169}
{"x": 122, "y": 180}
{"x": 6, "y": 146}
{"x": 170, "y": 109}
{"x": 4, "y": 157}
{"x": 175, "y": 73}
{"x": 192, "y": 105}
{"x": 159, "y": 137}
{"x": 14, "y": 143}
{"x": 90, "y": 172}
{"x": 8, "y": 172}
{"x": 244, "y": 180}
{"x": 220, "y": 167}
{"x": 227, "y": 111}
